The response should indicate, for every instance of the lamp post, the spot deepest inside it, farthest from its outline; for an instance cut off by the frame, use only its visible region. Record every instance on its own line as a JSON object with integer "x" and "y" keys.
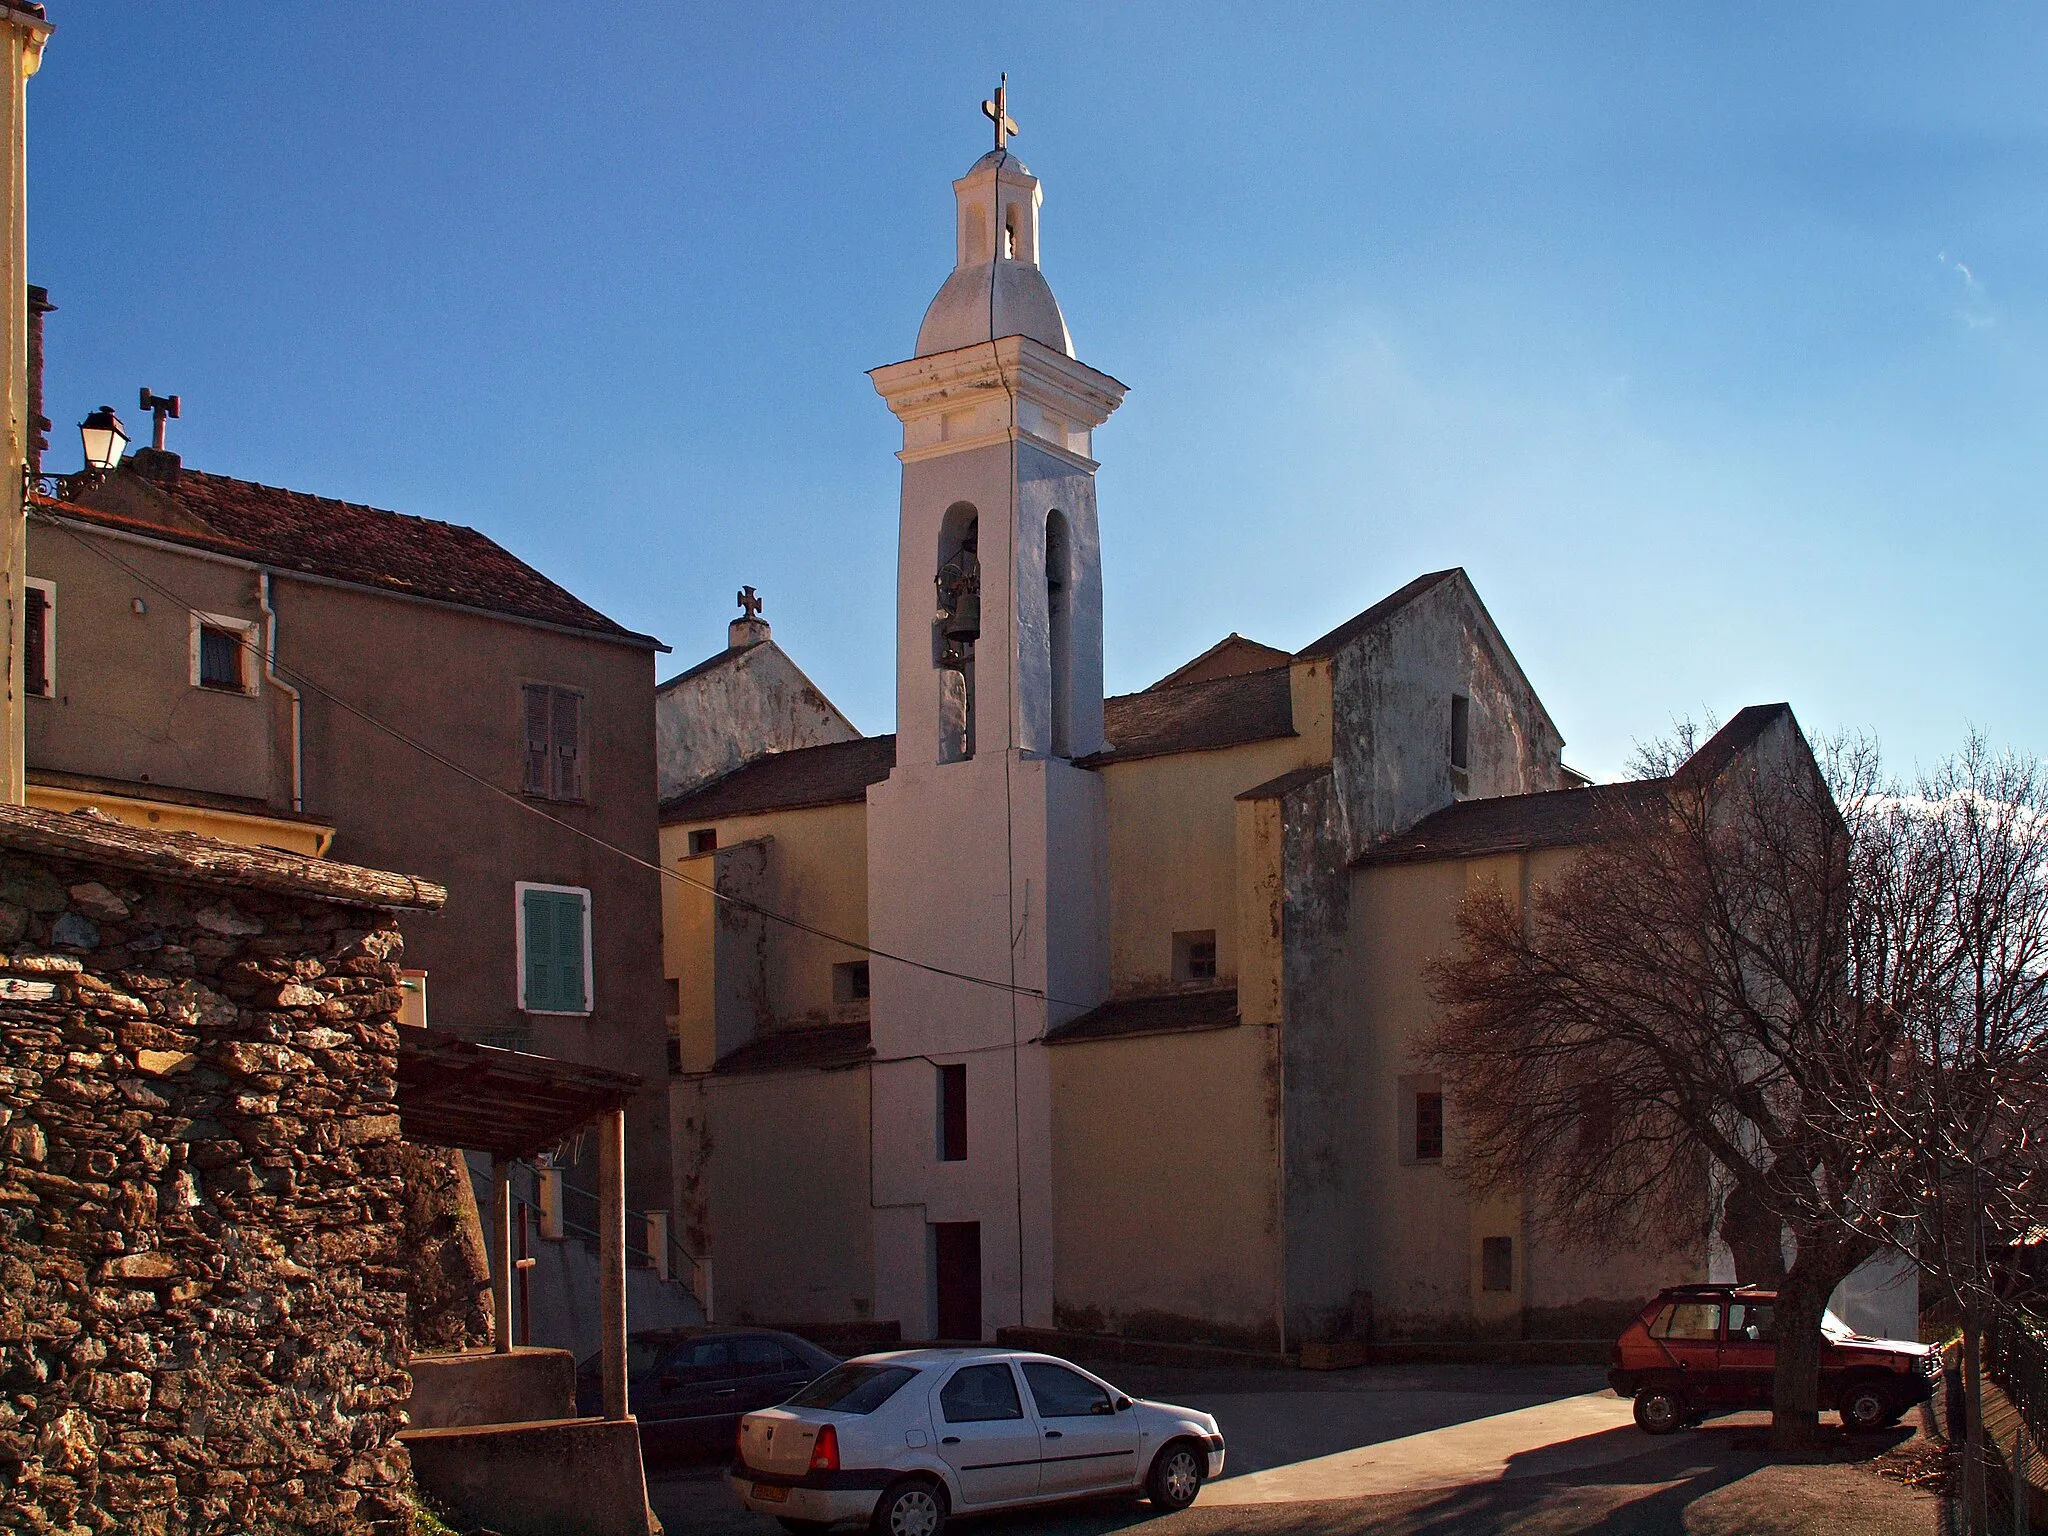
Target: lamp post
{"x": 104, "y": 440}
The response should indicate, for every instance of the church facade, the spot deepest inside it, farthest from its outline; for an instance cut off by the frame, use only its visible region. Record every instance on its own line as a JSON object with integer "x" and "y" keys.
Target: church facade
{"x": 1061, "y": 1011}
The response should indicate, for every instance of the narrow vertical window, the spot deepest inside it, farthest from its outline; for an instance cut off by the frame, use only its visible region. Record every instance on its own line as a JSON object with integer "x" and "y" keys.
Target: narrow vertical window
{"x": 1461, "y": 731}
{"x": 1497, "y": 1264}
{"x": 552, "y": 760}
{"x": 953, "y": 1113}
{"x": 1059, "y": 629}
{"x": 38, "y": 615}
{"x": 956, "y": 628}
{"x": 554, "y": 949}
{"x": 1429, "y": 1127}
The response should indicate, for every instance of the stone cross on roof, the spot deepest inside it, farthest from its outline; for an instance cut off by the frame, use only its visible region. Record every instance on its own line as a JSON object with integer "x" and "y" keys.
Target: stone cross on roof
{"x": 998, "y": 112}
{"x": 750, "y": 604}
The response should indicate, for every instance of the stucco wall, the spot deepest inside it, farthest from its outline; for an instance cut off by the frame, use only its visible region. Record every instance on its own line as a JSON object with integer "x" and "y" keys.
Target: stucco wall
{"x": 739, "y": 706}
{"x": 124, "y": 705}
{"x": 1391, "y": 690}
{"x": 815, "y": 869}
{"x": 1165, "y": 1171}
{"x": 1173, "y": 856}
{"x": 776, "y": 1166}
{"x": 1418, "y": 1233}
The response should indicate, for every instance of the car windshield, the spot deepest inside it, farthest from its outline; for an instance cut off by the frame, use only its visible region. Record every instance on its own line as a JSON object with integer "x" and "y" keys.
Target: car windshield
{"x": 853, "y": 1388}
{"x": 1834, "y": 1327}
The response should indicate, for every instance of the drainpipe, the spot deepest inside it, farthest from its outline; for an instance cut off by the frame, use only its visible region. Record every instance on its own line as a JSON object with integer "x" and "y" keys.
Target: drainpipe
{"x": 298, "y": 703}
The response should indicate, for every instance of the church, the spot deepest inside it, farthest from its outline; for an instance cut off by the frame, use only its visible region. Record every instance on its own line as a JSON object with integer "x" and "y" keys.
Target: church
{"x": 1054, "y": 1011}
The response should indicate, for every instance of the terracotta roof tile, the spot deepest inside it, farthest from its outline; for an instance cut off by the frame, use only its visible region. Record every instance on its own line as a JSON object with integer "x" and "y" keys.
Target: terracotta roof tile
{"x": 1197, "y": 717}
{"x": 1511, "y": 823}
{"x": 343, "y": 541}
{"x": 792, "y": 1050}
{"x": 1167, "y": 1014}
{"x": 1232, "y": 656}
{"x": 837, "y": 773}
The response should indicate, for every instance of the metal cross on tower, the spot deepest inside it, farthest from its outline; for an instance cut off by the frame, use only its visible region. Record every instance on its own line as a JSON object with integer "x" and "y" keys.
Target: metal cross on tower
{"x": 998, "y": 112}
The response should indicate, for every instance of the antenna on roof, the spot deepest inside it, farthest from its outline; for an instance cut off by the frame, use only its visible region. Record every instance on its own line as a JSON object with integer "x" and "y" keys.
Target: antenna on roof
{"x": 166, "y": 408}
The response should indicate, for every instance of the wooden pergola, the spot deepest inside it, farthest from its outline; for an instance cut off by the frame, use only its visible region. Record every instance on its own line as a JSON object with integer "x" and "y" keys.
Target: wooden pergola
{"x": 456, "y": 1093}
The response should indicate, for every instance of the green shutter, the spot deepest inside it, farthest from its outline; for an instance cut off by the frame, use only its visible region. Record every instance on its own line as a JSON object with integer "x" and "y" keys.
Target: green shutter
{"x": 554, "y": 952}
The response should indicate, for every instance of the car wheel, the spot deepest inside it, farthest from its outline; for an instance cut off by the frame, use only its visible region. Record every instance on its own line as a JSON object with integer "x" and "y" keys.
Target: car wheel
{"x": 1660, "y": 1411}
{"x": 1176, "y": 1476}
{"x": 1865, "y": 1408}
{"x": 912, "y": 1507}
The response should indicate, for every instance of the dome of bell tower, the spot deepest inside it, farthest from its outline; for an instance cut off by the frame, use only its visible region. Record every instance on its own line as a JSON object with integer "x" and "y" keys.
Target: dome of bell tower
{"x": 996, "y": 288}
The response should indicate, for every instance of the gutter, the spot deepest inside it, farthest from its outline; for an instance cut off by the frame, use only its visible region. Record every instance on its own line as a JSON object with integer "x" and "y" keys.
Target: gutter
{"x": 298, "y": 702}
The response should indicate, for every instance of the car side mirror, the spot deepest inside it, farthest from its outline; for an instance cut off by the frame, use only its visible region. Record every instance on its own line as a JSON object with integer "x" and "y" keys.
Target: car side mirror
{"x": 1123, "y": 1404}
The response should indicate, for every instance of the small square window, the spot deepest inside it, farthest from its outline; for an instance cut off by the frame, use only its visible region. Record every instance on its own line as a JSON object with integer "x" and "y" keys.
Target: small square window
{"x": 1194, "y": 956}
{"x": 703, "y": 840}
{"x": 953, "y": 1113}
{"x": 675, "y": 996}
{"x": 223, "y": 653}
{"x": 1497, "y": 1264}
{"x": 850, "y": 982}
{"x": 1461, "y": 732}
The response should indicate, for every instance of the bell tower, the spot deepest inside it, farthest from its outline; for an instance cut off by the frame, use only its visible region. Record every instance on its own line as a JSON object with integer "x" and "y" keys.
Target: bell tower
{"x": 987, "y": 847}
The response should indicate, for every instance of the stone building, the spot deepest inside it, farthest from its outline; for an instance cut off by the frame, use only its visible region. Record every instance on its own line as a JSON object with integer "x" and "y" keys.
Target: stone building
{"x": 203, "y": 1314}
{"x": 271, "y": 667}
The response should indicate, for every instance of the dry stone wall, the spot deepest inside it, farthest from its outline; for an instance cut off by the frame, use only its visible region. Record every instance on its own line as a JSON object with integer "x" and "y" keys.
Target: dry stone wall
{"x": 202, "y": 1301}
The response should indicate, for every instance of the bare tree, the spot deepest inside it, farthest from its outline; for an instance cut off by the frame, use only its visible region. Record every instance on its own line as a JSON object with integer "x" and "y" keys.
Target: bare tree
{"x": 1686, "y": 1001}
{"x": 1955, "y": 876}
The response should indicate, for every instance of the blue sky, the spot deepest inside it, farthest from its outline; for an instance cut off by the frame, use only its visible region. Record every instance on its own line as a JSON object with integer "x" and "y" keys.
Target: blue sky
{"x": 1712, "y": 341}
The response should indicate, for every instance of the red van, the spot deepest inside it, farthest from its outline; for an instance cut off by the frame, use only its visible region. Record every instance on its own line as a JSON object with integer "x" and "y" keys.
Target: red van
{"x": 1701, "y": 1349}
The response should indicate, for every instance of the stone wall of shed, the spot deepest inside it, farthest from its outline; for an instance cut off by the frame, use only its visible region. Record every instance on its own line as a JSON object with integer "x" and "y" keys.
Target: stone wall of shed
{"x": 202, "y": 1305}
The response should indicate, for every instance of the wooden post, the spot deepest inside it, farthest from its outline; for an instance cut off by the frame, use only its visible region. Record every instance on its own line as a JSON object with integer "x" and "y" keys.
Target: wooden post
{"x": 2022, "y": 1516}
{"x": 525, "y": 1290}
{"x": 550, "y": 1181}
{"x": 657, "y": 1242}
{"x": 501, "y": 1253}
{"x": 611, "y": 1252}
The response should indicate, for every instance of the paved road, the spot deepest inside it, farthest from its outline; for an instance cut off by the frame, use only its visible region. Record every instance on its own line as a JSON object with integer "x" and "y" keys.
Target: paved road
{"x": 1440, "y": 1451}
{"x": 1300, "y": 1421}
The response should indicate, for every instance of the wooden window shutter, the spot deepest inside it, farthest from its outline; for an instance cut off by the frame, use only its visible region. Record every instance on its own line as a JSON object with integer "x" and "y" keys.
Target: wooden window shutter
{"x": 35, "y": 642}
{"x": 554, "y": 952}
{"x": 536, "y": 773}
{"x": 568, "y": 739}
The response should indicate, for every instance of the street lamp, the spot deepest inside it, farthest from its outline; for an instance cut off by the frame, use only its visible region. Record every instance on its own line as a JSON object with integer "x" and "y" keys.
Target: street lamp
{"x": 104, "y": 438}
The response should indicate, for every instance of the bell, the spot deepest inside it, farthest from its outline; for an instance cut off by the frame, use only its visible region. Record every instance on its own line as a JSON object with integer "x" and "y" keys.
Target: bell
{"x": 964, "y": 622}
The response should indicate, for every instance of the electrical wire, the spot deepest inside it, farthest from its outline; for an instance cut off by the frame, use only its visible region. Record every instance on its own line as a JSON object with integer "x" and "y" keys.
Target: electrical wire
{"x": 95, "y": 547}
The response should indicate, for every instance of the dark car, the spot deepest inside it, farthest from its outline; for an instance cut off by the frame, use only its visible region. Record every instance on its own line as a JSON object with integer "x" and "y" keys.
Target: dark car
{"x": 689, "y": 1386}
{"x": 1701, "y": 1349}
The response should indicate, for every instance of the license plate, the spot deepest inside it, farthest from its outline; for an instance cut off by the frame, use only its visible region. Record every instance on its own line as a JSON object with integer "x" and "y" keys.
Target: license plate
{"x": 771, "y": 1493}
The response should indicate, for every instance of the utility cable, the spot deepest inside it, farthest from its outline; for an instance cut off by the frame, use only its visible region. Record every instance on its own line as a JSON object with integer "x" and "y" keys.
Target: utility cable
{"x": 741, "y": 903}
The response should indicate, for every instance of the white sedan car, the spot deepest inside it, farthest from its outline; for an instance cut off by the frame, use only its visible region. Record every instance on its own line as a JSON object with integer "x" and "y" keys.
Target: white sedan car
{"x": 902, "y": 1440}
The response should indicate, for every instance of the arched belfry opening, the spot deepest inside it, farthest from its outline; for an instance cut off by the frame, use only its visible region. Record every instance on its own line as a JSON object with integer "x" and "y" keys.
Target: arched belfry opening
{"x": 1059, "y": 627}
{"x": 956, "y": 628}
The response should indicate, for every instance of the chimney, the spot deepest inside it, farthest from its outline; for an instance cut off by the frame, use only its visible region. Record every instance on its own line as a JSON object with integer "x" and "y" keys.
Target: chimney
{"x": 39, "y": 305}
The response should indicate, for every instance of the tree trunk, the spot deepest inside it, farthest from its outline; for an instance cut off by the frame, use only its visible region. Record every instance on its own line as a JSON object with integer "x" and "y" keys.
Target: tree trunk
{"x": 1975, "y": 1493}
{"x": 1755, "y": 1237}
{"x": 1795, "y": 1386}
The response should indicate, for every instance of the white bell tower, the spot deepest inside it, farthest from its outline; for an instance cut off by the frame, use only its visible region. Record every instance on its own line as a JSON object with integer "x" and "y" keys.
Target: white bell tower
{"x": 987, "y": 847}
